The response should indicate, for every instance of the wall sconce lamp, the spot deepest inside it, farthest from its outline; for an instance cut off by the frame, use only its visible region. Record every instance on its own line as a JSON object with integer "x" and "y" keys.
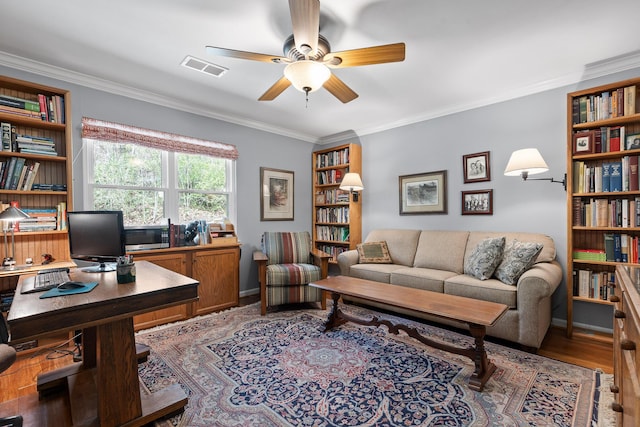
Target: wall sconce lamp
{"x": 529, "y": 161}
{"x": 9, "y": 216}
{"x": 352, "y": 183}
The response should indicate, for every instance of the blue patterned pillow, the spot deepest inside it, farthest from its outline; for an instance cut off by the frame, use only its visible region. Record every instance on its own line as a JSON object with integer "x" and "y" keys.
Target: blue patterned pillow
{"x": 518, "y": 257}
{"x": 485, "y": 258}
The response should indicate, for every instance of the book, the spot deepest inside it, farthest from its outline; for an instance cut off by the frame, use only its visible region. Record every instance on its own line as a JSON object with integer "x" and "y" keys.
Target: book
{"x": 22, "y": 103}
{"x": 17, "y": 170}
{"x": 633, "y": 173}
{"x": 615, "y": 176}
{"x": 630, "y": 100}
{"x": 609, "y": 246}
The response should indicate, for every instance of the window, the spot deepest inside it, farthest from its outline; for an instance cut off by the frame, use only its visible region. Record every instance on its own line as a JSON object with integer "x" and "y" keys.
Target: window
{"x": 150, "y": 184}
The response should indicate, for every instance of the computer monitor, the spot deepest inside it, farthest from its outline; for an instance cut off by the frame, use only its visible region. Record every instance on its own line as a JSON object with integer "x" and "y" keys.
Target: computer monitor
{"x": 96, "y": 236}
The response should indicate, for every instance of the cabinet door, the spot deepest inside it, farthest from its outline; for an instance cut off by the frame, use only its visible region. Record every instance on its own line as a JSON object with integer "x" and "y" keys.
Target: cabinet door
{"x": 218, "y": 273}
{"x": 175, "y": 262}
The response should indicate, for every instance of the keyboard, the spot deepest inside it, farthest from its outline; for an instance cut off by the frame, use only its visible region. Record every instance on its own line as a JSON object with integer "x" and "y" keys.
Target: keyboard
{"x": 45, "y": 280}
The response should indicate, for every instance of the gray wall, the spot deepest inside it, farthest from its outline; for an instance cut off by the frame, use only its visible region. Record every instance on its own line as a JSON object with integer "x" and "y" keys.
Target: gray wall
{"x": 533, "y": 121}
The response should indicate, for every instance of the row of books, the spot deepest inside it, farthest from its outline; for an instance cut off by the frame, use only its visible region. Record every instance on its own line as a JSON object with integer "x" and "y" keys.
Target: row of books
{"x": 49, "y": 108}
{"x": 33, "y": 144}
{"x": 609, "y": 104}
{"x": 618, "y": 247}
{"x": 602, "y": 212}
{"x": 607, "y": 176}
{"x": 45, "y": 219}
{"x": 338, "y": 215}
{"x": 332, "y": 158}
{"x": 331, "y": 196}
{"x": 334, "y": 251}
{"x": 332, "y": 233}
{"x": 18, "y": 173}
{"x": 333, "y": 176}
{"x": 606, "y": 139}
{"x": 591, "y": 284}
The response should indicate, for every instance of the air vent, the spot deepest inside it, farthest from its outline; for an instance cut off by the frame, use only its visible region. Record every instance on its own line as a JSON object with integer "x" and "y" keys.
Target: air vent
{"x": 203, "y": 66}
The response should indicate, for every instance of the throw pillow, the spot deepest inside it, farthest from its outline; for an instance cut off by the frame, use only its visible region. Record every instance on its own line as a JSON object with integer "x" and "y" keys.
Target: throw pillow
{"x": 518, "y": 257}
{"x": 484, "y": 259}
{"x": 374, "y": 253}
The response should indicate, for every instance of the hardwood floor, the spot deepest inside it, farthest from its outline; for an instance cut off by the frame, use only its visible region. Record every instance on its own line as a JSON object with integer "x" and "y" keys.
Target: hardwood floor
{"x": 592, "y": 351}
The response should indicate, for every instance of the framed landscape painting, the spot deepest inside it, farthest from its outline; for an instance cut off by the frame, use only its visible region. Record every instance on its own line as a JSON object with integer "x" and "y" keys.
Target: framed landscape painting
{"x": 476, "y": 167}
{"x": 477, "y": 202}
{"x": 276, "y": 195}
{"x": 423, "y": 193}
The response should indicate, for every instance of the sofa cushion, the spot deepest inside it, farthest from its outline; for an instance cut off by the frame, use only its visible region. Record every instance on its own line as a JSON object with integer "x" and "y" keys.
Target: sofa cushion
{"x": 375, "y": 272}
{"x": 401, "y": 244}
{"x": 487, "y": 290}
{"x": 292, "y": 274}
{"x": 518, "y": 257}
{"x": 441, "y": 250}
{"x": 373, "y": 253}
{"x": 484, "y": 258}
{"x": 547, "y": 254}
{"x": 421, "y": 278}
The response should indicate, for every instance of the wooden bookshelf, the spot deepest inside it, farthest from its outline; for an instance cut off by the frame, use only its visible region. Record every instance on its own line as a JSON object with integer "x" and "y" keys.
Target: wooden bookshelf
{"x": 600, "y": 188}
{"x": 337, "y": 218}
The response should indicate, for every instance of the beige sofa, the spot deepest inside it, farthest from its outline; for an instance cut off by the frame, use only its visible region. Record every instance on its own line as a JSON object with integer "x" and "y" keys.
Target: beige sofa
{"x": 434, "y": 260}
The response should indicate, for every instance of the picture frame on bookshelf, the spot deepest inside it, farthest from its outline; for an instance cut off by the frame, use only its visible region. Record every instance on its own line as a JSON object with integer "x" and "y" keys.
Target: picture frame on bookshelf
{"x": 476, "y": 167}
{"x": 276, "y": 194}
{"x": 423, "y": 193}
{"x": 632, "y": 142}
{"x": 479, "y": 202}
{"x": 584, "y": 142}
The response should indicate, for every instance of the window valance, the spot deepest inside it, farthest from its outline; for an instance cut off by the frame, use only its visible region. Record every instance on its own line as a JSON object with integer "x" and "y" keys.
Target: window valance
{"x": 116, "y": 132}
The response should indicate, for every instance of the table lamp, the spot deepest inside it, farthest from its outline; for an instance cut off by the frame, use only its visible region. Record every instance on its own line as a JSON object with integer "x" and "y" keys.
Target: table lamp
{"x": 10, "y": 215}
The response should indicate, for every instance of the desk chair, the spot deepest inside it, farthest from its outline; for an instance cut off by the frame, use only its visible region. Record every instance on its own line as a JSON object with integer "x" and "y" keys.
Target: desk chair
{"x": 7, "y": 357}
{"x": 286, "y": 266}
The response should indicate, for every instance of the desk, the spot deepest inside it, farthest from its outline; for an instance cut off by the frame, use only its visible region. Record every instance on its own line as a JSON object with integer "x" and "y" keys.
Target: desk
{"x": 104, "y": 388}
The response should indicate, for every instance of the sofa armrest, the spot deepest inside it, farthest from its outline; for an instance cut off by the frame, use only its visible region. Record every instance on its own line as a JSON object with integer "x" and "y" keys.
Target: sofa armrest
{"x": 346, "y": 259}
{"x": 321, "y": 259}
{"x": 540, "y": 281}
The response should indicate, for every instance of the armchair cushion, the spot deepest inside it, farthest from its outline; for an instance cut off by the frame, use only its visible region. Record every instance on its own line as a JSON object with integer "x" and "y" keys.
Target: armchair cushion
{"x": 287, "y": 247}
{"x": 292, "y": 274}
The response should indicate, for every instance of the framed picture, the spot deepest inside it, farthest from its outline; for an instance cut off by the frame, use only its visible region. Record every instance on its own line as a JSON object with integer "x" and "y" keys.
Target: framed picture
{"x": 476, "y": 167}
{"x": 478, "y": 202}
{"x": 276, "y": 195}
{"x": 632, "y": 142}
{"x": 584, "y": 142}
{"x": 423, "y": 193}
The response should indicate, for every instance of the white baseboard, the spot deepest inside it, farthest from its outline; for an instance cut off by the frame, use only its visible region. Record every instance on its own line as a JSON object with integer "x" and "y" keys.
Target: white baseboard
{"x": 249, "y": 292}
{"x": 562, "y": 323}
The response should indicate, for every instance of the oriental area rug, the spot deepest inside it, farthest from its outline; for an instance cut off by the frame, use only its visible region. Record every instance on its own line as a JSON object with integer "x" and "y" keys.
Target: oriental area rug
{"x": 242, "y": 369}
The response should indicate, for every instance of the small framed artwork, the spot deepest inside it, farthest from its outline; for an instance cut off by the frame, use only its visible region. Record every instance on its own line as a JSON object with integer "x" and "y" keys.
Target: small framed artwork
{"x": 478, "y": 202}
{"x": 276, "y": 195}
{"x": 584, "y": 142}
{"x": 632, "y": 142}
{"x": 476, "y": 167}
{"x": 423, "y": 193}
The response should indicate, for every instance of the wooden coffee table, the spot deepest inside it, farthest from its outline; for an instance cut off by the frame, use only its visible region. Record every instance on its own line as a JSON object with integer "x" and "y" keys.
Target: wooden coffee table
{"x": 475, "y": 313}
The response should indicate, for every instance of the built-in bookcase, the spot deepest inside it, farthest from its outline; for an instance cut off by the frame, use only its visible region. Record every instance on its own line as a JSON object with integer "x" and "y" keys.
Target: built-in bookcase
{"x": 603, "y": 196}
{"x": 337, "y": 218}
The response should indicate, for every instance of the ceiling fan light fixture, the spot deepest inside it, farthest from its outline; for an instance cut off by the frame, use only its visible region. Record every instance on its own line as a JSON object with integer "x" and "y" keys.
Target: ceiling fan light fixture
{"x": 306, "y": 75}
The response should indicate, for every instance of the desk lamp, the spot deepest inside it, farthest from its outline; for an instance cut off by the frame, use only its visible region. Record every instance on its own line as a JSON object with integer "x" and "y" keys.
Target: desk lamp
{"x": 10, "y": 215}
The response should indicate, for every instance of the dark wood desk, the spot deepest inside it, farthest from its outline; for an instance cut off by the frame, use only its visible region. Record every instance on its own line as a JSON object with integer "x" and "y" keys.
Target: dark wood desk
{"x": 104, "y": 388}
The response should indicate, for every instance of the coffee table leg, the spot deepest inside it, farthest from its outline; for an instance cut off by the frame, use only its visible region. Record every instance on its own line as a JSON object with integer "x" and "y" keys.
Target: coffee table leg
{"x": 484, "y": 366}
{"x": 334, "y": 318}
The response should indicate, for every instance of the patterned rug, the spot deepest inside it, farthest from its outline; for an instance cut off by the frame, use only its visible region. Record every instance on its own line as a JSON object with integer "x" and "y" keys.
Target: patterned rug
{"x": 242, "y": 369}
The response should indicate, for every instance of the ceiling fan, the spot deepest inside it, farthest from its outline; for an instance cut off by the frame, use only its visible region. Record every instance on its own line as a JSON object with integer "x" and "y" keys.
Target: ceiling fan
{"x": 309, "y": 58}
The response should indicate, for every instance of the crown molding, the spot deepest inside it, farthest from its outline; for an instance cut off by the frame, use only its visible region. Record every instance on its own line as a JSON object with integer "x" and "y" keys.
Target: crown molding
{"x": 69, "y": 76}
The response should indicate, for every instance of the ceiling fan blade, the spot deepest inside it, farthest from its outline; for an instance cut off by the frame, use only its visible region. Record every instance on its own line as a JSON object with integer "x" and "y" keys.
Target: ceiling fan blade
{"x": 230, "y": 53}
{"x": 339, "y": 89}
{"x": 366, "y": 56}
{"x": 305, "y": 19}
{"x": 275, "y": 90}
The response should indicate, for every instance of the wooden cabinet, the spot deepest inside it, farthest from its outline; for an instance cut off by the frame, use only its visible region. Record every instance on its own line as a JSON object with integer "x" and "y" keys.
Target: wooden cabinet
{"x": 626, "y": 354}
{"x": 603, "y": 196}
{"x": 337, "y": 218}
{"x": 217, "y": 268}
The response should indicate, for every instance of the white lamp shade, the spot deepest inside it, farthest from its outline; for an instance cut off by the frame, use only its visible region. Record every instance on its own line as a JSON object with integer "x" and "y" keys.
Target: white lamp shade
{"x": 527, "y": 160}
{"x": 307, "y": 74}
{"x": 351, "y": 182}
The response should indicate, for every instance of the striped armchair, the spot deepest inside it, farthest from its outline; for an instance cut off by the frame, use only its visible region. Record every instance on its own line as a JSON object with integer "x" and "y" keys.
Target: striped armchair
{"x": 286, "y": 265}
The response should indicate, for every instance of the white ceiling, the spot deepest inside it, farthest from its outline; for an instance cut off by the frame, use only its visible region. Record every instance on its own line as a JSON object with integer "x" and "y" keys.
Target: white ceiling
{"x": 460, "y": 54}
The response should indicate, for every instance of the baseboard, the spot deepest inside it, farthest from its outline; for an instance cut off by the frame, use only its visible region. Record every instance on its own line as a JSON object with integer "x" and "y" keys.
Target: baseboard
{"x": 249, "y": 292}
{"x": 562, "y": 323}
